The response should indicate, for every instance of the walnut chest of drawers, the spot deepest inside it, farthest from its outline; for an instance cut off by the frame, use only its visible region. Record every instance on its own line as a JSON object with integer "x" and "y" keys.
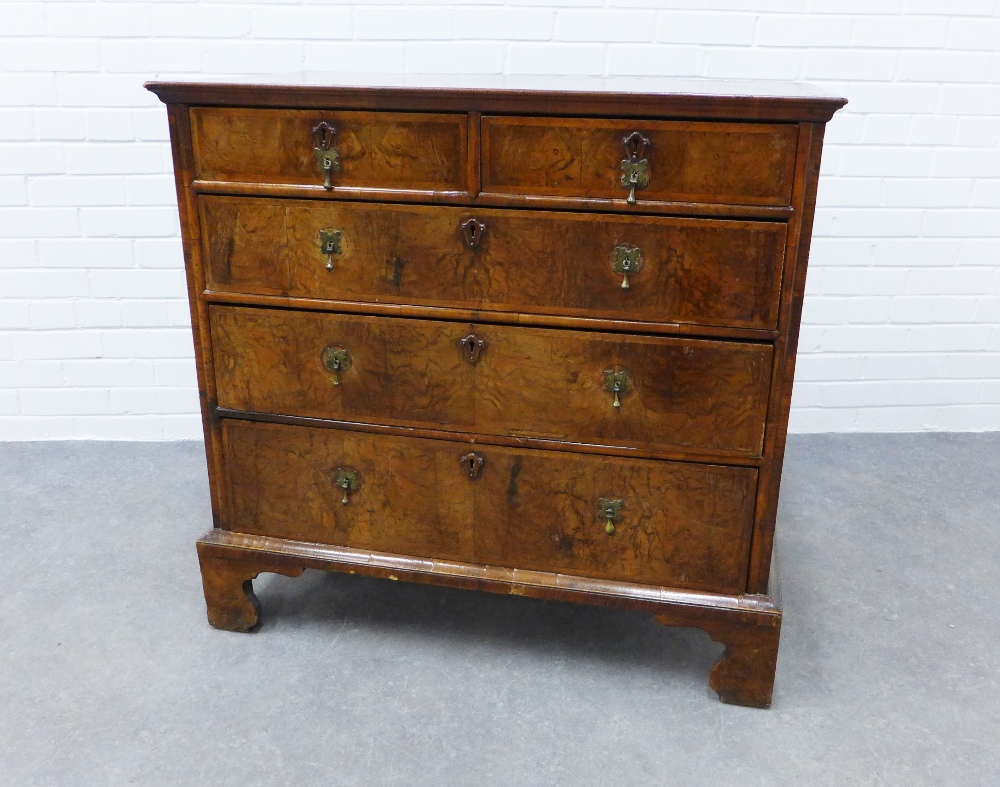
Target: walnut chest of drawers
{"x": 535, "y": 341}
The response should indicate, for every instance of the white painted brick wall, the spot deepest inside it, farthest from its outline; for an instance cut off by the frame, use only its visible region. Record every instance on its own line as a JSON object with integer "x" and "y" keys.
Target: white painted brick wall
{"x": 902, "y": 319}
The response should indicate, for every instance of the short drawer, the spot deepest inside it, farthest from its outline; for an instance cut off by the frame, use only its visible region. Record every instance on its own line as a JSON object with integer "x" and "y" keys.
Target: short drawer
{"x": 686, "y": 271}
{"x": 685, "y": 161}
{"x": 660, "y": 523}
{"x": 420, "y": 152}
{"x": 681, "y": 394}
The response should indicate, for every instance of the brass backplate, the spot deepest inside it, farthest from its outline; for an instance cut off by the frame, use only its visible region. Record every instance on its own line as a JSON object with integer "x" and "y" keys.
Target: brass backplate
{"x": 635, "y": 174}
{"x": 610, "y": 508}
{"x": 628, "y": 259}
{"x": 615, "y": 382}
{"x": 330, "y": 242}
{"x": 337, "y": 361}
{"x": 327, "y": 160}
{"x": 347, "y": 479}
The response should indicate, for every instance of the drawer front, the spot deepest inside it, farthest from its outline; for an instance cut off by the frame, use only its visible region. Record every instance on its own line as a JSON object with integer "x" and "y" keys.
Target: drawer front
{"x": 714, "y": 162}
{"x": 681, "y": 525}
{"x": 694, "y": 271}
{"x": 375, "y": 150}
{"x": 685, "y": 394}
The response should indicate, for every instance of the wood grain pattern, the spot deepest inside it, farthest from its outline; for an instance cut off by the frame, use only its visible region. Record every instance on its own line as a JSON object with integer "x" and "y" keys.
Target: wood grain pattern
{"x": 227, "y": 581}
{"x": 482, "y": 438}
{"x": 682, "y": 525}
{"x": 530, "y": 382}
{"x": 533, "y": 201}
{"x": 487, "y": 316}
{"x": 748, "y": 625}
{"x": 783, "y": 370}
{"x": 744, "y": 674}
{"x": 689, "y": 161}
{"x": 180, "y": 140}
{"x": 378, "y": 150}
{"x": 694, "y": 271}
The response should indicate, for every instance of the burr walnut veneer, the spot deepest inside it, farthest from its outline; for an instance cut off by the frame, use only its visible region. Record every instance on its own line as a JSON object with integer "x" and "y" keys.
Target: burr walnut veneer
{"x": 533, "y": 341}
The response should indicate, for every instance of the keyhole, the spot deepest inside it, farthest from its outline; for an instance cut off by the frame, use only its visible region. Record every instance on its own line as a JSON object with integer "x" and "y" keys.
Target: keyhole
{"x": 473, "y": 232}
{"x": 635, "y": 145}
{"x": 324, "y": 132}
{"x": 471, "y": 347}
{"x": 471, "y": 463}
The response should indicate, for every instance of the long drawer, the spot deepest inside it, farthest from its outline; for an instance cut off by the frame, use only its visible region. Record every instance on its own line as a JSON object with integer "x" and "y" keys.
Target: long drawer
{"x": 677, "y": 161}
{"x": 580, "y": 387}
{"x": 662, "y": 523}
{"x": 404, "y": 151}
{"x": 690, "y": 271}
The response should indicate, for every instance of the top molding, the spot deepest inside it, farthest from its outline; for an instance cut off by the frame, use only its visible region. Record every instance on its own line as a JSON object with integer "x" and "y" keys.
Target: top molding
{"x": 652, "y": 97}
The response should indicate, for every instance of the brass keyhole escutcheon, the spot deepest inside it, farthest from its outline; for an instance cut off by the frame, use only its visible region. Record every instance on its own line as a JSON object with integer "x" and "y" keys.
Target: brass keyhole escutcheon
{"x": 627, "y": 259}
{"x": 472, "y": 232}
{"x": 609, "y": 509}
{"x": 330, "y": 245}
{"x": 617, "y": 383}
{"x": 347, "y": 480}
{"x": 635, "y": 165}
{"x": 327, "y": 156}
{"x": 337, "y": 361}
{"x": 635, "y": 145}
{"x": 472, "y": 464}
{"x": 472, "y": 347}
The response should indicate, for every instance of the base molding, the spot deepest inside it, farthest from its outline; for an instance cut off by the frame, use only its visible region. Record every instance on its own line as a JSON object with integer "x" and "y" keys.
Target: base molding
{"x": 748, "y": 625}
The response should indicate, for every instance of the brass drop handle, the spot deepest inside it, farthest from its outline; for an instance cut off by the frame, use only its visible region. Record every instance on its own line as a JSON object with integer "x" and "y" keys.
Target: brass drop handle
{"x": 327, "y": 156}
{"x": 616, "y": 382}
{"x": 337, "y": 361}
{"x": 627, "y": 259}
{"x": 472, "y": 232}
{"x": 330, "y": 244}
{"x": 347, "y": 480}
{"x": 471, "y": 463}
{"x": 610, "y": 510}
{"x": 635, "y": 165}
{"x": 472, "y": 347}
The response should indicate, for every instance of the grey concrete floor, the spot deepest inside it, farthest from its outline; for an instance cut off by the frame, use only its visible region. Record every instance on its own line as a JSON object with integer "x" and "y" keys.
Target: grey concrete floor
{"x": 109, "y": 673}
